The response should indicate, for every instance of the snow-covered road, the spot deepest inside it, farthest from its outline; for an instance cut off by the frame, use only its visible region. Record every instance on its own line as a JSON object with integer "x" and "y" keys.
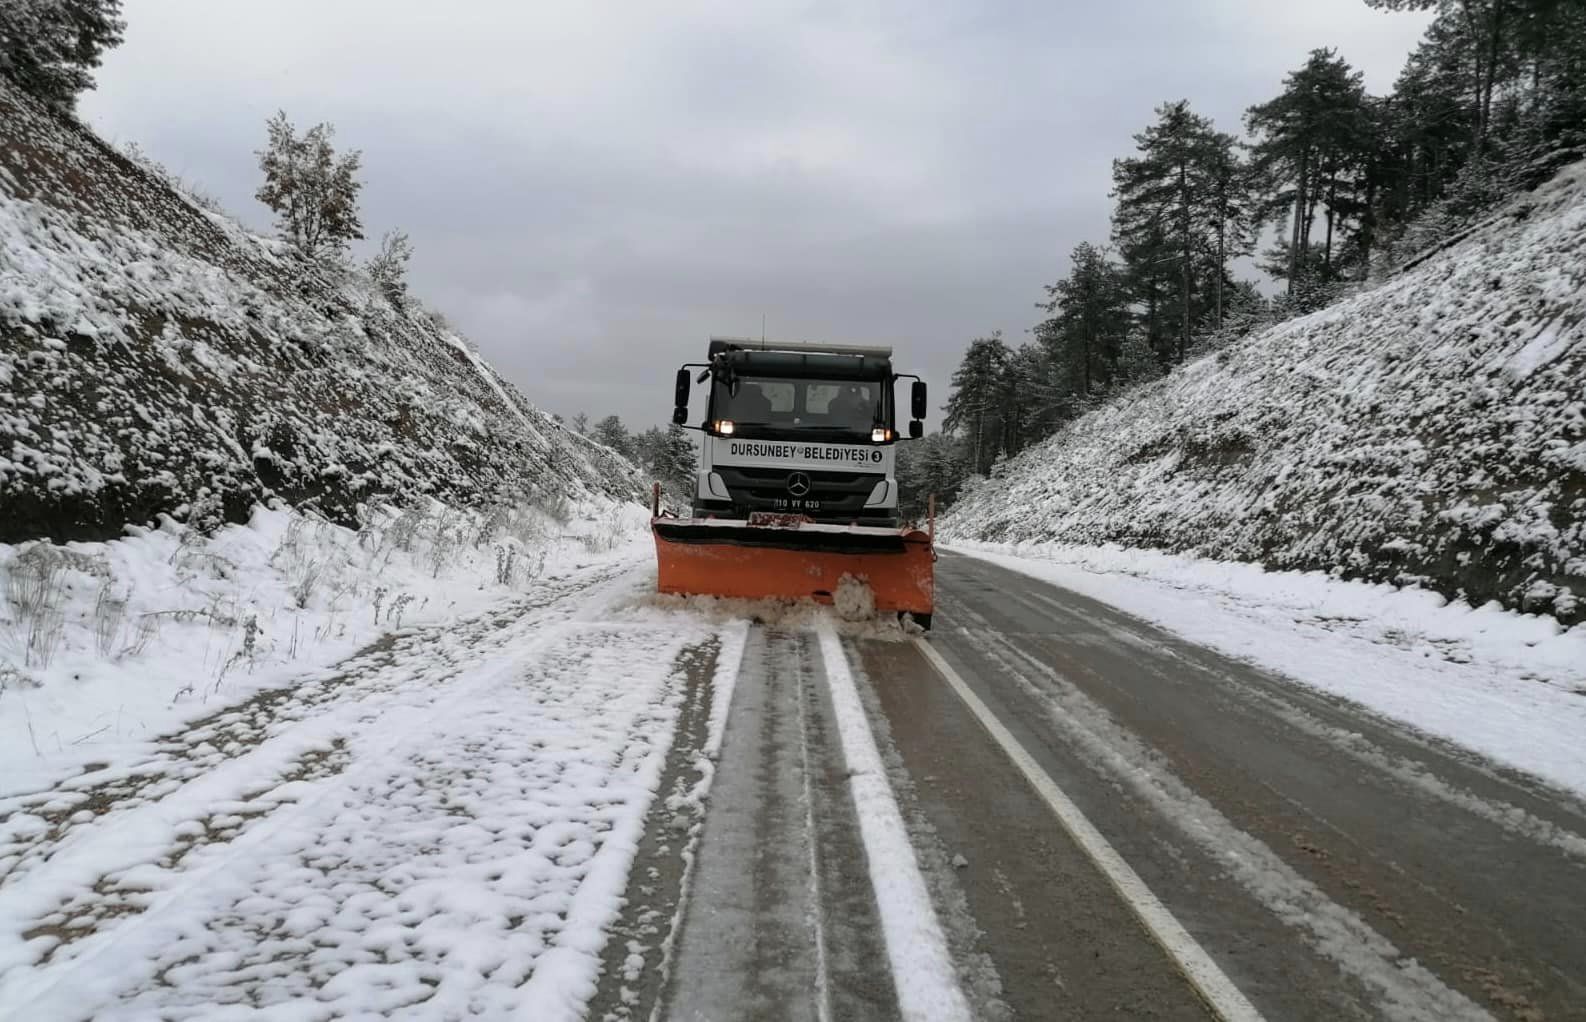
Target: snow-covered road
{"x": 590, "y": 802}
{"x": 444, "y": 829}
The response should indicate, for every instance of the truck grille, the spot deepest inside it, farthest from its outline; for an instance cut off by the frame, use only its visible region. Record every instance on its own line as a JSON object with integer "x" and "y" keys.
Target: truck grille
{"x": 838, "y": 494}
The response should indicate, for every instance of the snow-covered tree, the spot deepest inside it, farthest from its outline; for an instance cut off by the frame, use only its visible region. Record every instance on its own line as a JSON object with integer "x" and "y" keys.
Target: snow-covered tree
{"x": 313, "y": 192}
{"x": 49, "y": 47}
{"x": 1492, "y": 102}
{"x": 935, "y": 465}
{"x": 1234, "y": 215}
{"x": 647, "y": 447}
{"x": 669, "y": 457}
{"x": 1493, "y": 40}
{"x": 976, "y": 405}
{"x": 611, "y": 432}
{"x": 681, "y": 461}
{"x": 388, "y": 269}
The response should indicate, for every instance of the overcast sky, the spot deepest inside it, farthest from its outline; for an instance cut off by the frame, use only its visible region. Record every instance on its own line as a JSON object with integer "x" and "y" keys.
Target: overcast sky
{"x": 593, "y": 188}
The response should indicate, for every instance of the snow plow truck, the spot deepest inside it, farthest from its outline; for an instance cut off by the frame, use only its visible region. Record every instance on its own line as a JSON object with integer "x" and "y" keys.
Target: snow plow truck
{"x": 796, "y": 494}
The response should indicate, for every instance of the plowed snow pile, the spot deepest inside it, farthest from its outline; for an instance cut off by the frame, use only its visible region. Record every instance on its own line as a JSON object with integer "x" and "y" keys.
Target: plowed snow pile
{"x": 1431, "y": 431}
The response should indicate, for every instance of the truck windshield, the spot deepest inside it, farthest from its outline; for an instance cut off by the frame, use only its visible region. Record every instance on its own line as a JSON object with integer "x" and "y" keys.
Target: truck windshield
{"x": 849, "y": 406}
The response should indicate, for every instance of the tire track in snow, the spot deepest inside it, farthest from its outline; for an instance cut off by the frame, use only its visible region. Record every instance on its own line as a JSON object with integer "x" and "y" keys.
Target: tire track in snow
{"x": 68, "y": 986}
{"x": 634, "y": 964}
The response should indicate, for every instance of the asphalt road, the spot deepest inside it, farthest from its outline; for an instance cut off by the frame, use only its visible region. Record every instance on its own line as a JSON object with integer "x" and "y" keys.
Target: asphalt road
{"x": 781, "y": 919}
{"x": 1326, "y": 863}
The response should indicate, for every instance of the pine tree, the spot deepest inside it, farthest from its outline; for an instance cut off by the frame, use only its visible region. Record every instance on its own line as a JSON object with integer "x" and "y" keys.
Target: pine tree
{"x": 679, "y": 461}
{"x": 976, "y": 403}
{"x": 1167, "y": 206}
{"x": 649, "y": 449}
{"x": 1234, "y": 218}
{"x": 1494, "y": 38}
{"x": 1246, "y": 311}
{"x": 49, "y": 47}
{"x": 1090, "y": 318}
{"x": 1492, "y": 101}
{"x": 1149, "y": 279}
{"x": 935, "y": 465}
{"x": 1311, "y": 141}
{"x": 611, "y": 432}
{"x": 1027, "y": 404}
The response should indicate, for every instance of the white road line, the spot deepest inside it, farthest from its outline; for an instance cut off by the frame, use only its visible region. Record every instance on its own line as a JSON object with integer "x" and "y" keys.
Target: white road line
{"x": 1192, "y": 959}
{"x": 823, "y": 995}
{"x": 922, "y": 969}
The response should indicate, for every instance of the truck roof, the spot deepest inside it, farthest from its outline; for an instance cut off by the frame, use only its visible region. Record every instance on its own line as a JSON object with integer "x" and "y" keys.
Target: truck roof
{"x": 723, "y": 344}
{"x": 801, "y": 365}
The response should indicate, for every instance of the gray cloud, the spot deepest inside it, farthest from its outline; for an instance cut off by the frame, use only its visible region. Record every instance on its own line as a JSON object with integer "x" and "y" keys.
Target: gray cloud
{"x": 593, "y": 188}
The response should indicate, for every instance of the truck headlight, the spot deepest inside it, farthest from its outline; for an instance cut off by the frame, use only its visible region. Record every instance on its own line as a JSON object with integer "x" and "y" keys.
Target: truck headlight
{"x": 880, "y": 436}
{"x": 724, "y": 427}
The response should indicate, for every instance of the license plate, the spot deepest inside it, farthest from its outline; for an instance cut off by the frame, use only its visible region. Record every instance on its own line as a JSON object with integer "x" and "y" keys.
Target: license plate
{"x": 784, "y": 504}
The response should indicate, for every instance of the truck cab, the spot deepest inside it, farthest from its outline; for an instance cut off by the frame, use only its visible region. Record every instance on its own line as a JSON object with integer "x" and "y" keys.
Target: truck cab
{"x": 798, "y": 428}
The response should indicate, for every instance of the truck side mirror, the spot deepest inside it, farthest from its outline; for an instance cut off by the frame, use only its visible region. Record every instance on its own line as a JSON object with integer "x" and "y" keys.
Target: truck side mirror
{"x": 916, "y": 429}
{"x": 680, "y": 397}
{"x": 917, "y": 399}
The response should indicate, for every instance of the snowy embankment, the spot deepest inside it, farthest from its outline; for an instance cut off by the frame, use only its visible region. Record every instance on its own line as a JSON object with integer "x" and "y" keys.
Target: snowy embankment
{"x": 1508, "y": 685}
{"x": 1429, "y": 432}
{"x": 158, "y": 359}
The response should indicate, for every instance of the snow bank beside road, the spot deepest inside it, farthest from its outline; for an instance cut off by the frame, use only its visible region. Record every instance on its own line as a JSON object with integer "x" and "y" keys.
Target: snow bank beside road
{"x": 1511, "y": 686}
{"x": 465, "y": 854}
{"x": 104, "y": 646}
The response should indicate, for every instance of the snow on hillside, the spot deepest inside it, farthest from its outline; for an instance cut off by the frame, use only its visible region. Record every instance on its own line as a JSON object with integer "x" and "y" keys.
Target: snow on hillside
{"x": 157, "y": 359}
{"x": 1431, "y": 431}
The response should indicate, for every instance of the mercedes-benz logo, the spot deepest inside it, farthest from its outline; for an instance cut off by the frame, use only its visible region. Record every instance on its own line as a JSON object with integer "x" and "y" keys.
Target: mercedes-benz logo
{"x": 798, "y": 484}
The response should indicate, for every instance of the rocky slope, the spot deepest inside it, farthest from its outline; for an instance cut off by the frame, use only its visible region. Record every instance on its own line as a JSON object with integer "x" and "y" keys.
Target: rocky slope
{"x": 1430, "y": 431}
{"x": 157, "y": 358}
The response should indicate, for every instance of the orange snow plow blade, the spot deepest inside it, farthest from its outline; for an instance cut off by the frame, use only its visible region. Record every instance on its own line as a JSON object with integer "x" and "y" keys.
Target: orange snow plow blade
{"x": 795, "y": 560}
